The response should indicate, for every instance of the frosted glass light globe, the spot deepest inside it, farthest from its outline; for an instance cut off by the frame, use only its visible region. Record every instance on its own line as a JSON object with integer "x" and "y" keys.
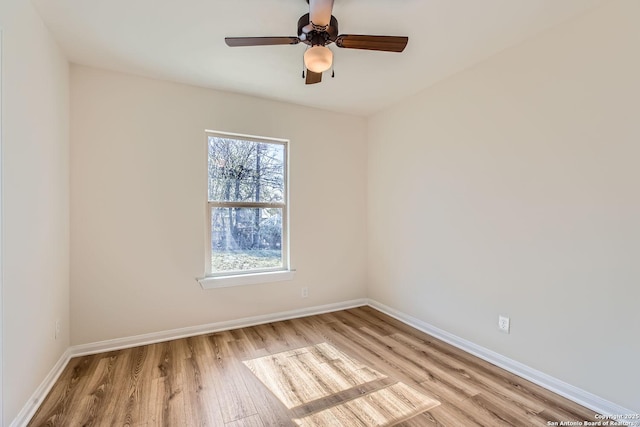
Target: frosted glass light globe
{"x": 318, "y": 58}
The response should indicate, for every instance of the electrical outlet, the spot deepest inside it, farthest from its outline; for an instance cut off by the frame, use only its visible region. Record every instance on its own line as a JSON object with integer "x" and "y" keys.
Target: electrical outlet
{"x": 57, "y": 329}
{"x": 304, "y": 292}
{"x": 503, "y": 324}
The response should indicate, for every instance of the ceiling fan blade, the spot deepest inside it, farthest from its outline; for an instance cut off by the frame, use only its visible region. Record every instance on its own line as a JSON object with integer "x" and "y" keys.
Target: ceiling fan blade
{"x": 313, "y": 78}
{"x": 320, "y": 12}
{"x": 383, "y": 43}
{"x": 260, "y": 41}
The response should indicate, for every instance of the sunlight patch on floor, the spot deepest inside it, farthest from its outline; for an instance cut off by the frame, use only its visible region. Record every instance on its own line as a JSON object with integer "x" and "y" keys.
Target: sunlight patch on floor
{"x": 304, "y": 378}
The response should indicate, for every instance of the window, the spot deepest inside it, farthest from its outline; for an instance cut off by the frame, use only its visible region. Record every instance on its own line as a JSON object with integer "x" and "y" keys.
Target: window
{"x": 246, "y": 209}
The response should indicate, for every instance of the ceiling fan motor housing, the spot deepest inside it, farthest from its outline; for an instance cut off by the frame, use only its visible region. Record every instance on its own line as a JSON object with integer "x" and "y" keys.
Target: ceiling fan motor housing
{"x": 318, "y": 37}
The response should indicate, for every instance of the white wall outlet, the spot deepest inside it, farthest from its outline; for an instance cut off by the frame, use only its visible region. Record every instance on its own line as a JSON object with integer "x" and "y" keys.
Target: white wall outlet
{"x": 503, "y": 324}
{"x": 57, "y": 333}
{"x": 304, "y": 292}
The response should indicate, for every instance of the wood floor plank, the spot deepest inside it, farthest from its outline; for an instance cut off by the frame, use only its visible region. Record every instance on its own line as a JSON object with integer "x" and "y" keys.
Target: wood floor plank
{"x": 201, "y": 400}
{"x": 273, "y": 339}
{"x": 55, "y": 409}
{"x": 234, "y": 398}
{"x": 357, "y": 367}
{"x": 254, "y": 337}
{"x": 272, "y": 411}
{"x": 380, "y": 328}
{"x": 115, "y": 390}
{"x": 442, "y": 416}
{"x": 244, "y": 348}
{"x": 252, "y": 421}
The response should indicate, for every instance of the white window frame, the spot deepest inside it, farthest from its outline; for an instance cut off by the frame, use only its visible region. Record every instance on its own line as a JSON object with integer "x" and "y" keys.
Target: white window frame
{"x": 249, "y": 277}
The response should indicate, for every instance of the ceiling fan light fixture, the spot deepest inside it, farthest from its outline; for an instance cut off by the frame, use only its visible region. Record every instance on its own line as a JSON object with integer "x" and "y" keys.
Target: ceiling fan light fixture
{"x": 318, "y": 59}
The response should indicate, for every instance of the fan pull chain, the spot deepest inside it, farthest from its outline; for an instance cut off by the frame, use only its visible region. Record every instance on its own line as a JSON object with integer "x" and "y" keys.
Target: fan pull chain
{"x": 333, "y": 63}
{"x": 304, "y": 67}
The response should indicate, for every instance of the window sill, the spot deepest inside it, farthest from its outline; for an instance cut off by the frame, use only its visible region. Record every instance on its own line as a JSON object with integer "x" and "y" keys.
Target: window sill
{"x": 213, "y": 282}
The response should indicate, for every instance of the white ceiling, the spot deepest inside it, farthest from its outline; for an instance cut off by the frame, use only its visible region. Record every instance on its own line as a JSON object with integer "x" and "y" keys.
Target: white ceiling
{"x": 183, "y": 41}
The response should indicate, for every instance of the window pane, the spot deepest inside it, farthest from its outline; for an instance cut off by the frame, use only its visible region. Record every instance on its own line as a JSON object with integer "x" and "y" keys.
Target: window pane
{"x": 245, "y": 171}
{"x": 244, "y": 239}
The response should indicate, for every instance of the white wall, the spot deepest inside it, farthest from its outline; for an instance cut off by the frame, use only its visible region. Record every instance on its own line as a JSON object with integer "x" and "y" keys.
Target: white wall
{"x": 512, "y": 188}
{"x": 138, "y": 188}
{"x": 35, "y": 180}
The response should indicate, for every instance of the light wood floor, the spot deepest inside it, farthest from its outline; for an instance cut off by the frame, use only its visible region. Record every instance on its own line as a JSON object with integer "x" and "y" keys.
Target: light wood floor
{"x": 355, "y": 367}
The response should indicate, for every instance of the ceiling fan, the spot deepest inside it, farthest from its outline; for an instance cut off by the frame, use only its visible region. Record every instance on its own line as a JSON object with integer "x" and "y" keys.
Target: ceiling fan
{"x": 318, "y": 29}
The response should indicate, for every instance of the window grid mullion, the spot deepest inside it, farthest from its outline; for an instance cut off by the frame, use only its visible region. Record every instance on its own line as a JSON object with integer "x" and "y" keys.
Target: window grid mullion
{"x": 246, "y": 205}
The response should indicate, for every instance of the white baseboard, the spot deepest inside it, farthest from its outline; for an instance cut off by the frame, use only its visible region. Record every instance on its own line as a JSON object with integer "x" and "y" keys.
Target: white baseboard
{"x": 575, "y": 394}
{"x": 155, "y": 337}
{"x": 32, "y": 405}
{"x": 582, "y": 397}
